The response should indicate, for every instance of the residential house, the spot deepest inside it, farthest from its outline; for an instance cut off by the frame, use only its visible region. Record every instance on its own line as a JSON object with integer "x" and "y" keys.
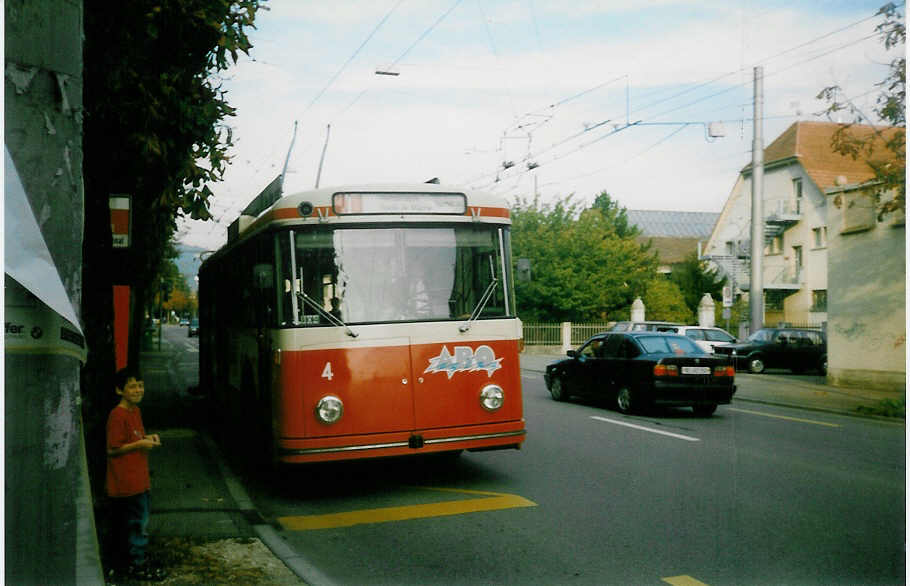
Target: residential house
{"x": 799, "y": 166}
{"x": 673, "y": 235}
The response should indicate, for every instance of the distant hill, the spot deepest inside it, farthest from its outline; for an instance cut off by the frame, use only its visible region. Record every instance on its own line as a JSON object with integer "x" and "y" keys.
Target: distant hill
{"x": 188, "y": 262}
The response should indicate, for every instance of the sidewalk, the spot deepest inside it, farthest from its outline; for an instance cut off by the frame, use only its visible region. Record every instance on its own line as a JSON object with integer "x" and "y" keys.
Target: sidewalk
{"x": 783, "y": 390}
{"x": 203, "y": 527}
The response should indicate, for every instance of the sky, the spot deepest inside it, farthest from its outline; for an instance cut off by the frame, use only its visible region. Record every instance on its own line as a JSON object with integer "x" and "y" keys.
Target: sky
{"x": 651, "y": 101}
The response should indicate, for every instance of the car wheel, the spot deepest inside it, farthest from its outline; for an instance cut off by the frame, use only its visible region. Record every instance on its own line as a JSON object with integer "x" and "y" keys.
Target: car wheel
{"x": 557, "y": 390}
{"x": 756, "y": 365}
{"x": 823, "y": 366}
{"x": 624, "y": 400}
{"x": 704, "y": 410}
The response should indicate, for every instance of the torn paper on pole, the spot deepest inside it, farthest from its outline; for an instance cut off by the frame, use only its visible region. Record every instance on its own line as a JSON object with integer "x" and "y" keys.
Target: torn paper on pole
{"x": 28, "y": 261}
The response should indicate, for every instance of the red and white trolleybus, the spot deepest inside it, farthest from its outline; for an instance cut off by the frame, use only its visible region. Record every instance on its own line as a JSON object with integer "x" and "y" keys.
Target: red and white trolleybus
{"x": 362, "y": 322}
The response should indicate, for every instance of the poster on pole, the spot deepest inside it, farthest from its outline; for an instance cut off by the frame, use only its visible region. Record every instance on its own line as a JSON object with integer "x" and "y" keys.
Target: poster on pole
{"x": 120, "y": 219}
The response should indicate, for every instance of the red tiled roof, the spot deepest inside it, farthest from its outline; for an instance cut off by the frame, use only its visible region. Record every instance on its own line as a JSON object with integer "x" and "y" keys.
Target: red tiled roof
{"x": 810, "y": 143}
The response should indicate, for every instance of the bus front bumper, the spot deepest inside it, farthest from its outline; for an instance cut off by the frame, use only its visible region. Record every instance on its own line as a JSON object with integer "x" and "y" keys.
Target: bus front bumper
{"x": 499, "y": 436}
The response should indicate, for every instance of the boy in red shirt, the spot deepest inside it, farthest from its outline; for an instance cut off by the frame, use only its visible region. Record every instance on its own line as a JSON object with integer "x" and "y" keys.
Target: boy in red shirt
{"x": 128, "y": 481}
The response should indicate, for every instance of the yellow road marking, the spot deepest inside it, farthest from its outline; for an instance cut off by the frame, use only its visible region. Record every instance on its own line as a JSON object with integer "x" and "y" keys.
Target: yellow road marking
{"x": 813, "y": 422}
{"x": 683, "y": 581}
{"x": 492, "y": 501}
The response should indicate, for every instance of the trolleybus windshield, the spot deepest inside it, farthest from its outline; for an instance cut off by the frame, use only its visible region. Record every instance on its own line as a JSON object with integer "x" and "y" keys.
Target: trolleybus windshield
{"x": 370, "y": 275}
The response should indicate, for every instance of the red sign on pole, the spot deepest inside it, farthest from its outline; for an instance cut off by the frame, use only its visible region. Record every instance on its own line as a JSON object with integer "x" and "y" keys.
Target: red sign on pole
{"x": 120, "y": 220}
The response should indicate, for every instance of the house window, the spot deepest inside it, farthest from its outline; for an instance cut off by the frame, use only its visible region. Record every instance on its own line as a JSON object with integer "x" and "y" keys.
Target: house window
{"x": 775, "y": 246}
{"x": 774, "y": 299}
{"x": 819, "y": 300}
{"x": 798, "y": 193}
{"x": 798, "y": 263}
{"x": 818, "y": 236}
{"x": 730, "y": 247}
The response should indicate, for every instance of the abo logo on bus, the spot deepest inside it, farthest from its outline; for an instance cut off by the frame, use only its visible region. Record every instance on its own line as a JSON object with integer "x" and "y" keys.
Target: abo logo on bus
{"x": 465, "y": 360}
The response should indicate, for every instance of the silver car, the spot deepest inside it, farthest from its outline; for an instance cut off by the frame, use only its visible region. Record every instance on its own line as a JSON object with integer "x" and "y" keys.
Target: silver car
{"x": 706, "y": 337}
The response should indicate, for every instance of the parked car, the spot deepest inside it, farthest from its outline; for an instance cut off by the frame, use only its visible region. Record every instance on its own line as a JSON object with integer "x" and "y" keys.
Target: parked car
{"x": 193, "y": 329}
{"x": 636, "y": 369}
{"x": 184, "y": 321}
{"x": 641, "y": 326}
{"x": 706, "y": 338}
{"x": 793, "y": 348}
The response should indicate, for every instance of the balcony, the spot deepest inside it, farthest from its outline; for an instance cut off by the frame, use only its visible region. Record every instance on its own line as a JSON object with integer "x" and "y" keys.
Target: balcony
{"x": 782, "y": 212}
{"x": 785, "y": 278}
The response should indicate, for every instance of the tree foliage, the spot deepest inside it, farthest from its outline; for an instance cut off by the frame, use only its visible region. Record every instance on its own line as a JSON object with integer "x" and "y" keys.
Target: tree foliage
{"x": 890, "y": 170}
{"x": 694, "y": 278}
{"x": 153, "y": 128}
{"x": 615, "y": 215}
{"x": 174, "y": 292}
{"x": 665, "y": 301}
{"x": 585, "y": 264}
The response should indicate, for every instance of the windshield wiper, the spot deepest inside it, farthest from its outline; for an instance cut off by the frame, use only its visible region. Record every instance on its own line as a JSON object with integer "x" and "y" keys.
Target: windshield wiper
{"x": 332, "y": 319}
{"x": 480, "y": 306}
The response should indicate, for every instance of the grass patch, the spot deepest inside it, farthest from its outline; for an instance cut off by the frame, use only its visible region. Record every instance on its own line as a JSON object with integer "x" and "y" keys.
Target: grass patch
{"x": 887, "y": 408}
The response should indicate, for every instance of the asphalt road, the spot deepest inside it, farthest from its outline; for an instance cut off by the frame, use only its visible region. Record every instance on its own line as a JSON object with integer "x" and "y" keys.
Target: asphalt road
{"x": 755, "y": 494}
{"x": 750, "y": 496}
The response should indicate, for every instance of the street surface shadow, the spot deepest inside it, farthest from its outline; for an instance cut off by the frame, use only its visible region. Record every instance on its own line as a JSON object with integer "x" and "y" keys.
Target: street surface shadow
{"x": 666, "y": 412}
{"x": 359, "y": 478}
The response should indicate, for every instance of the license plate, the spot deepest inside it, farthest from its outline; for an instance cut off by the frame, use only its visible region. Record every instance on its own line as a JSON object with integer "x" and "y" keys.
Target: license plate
{"x": 696, "y": 370}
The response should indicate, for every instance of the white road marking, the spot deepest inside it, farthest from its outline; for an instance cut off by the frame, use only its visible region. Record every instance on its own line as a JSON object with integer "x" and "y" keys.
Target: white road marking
{"x": 649, "y": 429}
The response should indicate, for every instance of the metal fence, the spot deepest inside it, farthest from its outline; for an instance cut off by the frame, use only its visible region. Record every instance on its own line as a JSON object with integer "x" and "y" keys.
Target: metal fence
{"x": 551, "y": 334}
{"x": 542, "y": 334}
{"x": 581, "y": 332}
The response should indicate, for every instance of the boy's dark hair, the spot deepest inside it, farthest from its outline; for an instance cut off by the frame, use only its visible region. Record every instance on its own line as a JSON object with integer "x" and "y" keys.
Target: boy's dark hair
{"x": 125, "y": 374}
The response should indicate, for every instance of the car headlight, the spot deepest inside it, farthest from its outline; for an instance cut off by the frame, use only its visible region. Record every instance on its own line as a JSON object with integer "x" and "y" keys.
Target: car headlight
{"x": 491, "y": 397}
{"x": 329, "y": 409}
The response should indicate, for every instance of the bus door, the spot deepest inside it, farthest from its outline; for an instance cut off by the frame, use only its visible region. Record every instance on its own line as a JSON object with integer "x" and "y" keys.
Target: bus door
{"x": 450, "y": 376}
{"x": 373, "y": 382}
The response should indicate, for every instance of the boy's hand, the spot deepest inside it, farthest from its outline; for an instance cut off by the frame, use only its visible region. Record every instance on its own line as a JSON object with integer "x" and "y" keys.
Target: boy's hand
{"x": 155, "y": 438}
{"x": 147, "y": 443}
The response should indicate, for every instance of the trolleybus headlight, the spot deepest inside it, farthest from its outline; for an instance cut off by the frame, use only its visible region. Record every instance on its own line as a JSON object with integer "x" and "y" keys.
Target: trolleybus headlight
{"x": 491, "y": 397}
{"x": 329, "y": 409}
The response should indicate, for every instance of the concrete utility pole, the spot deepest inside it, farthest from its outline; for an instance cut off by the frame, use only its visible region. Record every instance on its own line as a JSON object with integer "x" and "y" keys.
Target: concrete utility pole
{"x": 50, "y": 535}
{"x": 756, "y": 301}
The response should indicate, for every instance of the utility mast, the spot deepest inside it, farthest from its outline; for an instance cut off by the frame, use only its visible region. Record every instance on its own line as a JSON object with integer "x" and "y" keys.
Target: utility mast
{"x": 756, "y": 300}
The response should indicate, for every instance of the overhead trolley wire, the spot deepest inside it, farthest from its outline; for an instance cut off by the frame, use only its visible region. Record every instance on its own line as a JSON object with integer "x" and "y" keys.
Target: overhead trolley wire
{"x": 770, "y": 74}
{"x": 351, "y": 58}
{"x": 400, "y": 57}
{"x": 701, "y": 99}
{"x": 424, "y": 34}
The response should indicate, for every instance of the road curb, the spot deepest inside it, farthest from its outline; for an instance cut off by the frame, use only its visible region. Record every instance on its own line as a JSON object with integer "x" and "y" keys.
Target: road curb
{"x": 298, "y": 564}
{"x": 895, "y": 420}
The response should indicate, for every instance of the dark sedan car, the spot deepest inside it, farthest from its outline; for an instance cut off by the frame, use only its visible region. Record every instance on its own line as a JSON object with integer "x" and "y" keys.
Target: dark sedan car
{"x": 193, "y": 328}
{"x": 793, "y": 348}
{"x": 637, "y": 369}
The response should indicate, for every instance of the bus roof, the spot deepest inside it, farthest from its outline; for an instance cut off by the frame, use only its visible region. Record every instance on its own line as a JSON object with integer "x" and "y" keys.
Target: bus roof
{"x": 372, "y": 203}
{"x": 324, "y": 196}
